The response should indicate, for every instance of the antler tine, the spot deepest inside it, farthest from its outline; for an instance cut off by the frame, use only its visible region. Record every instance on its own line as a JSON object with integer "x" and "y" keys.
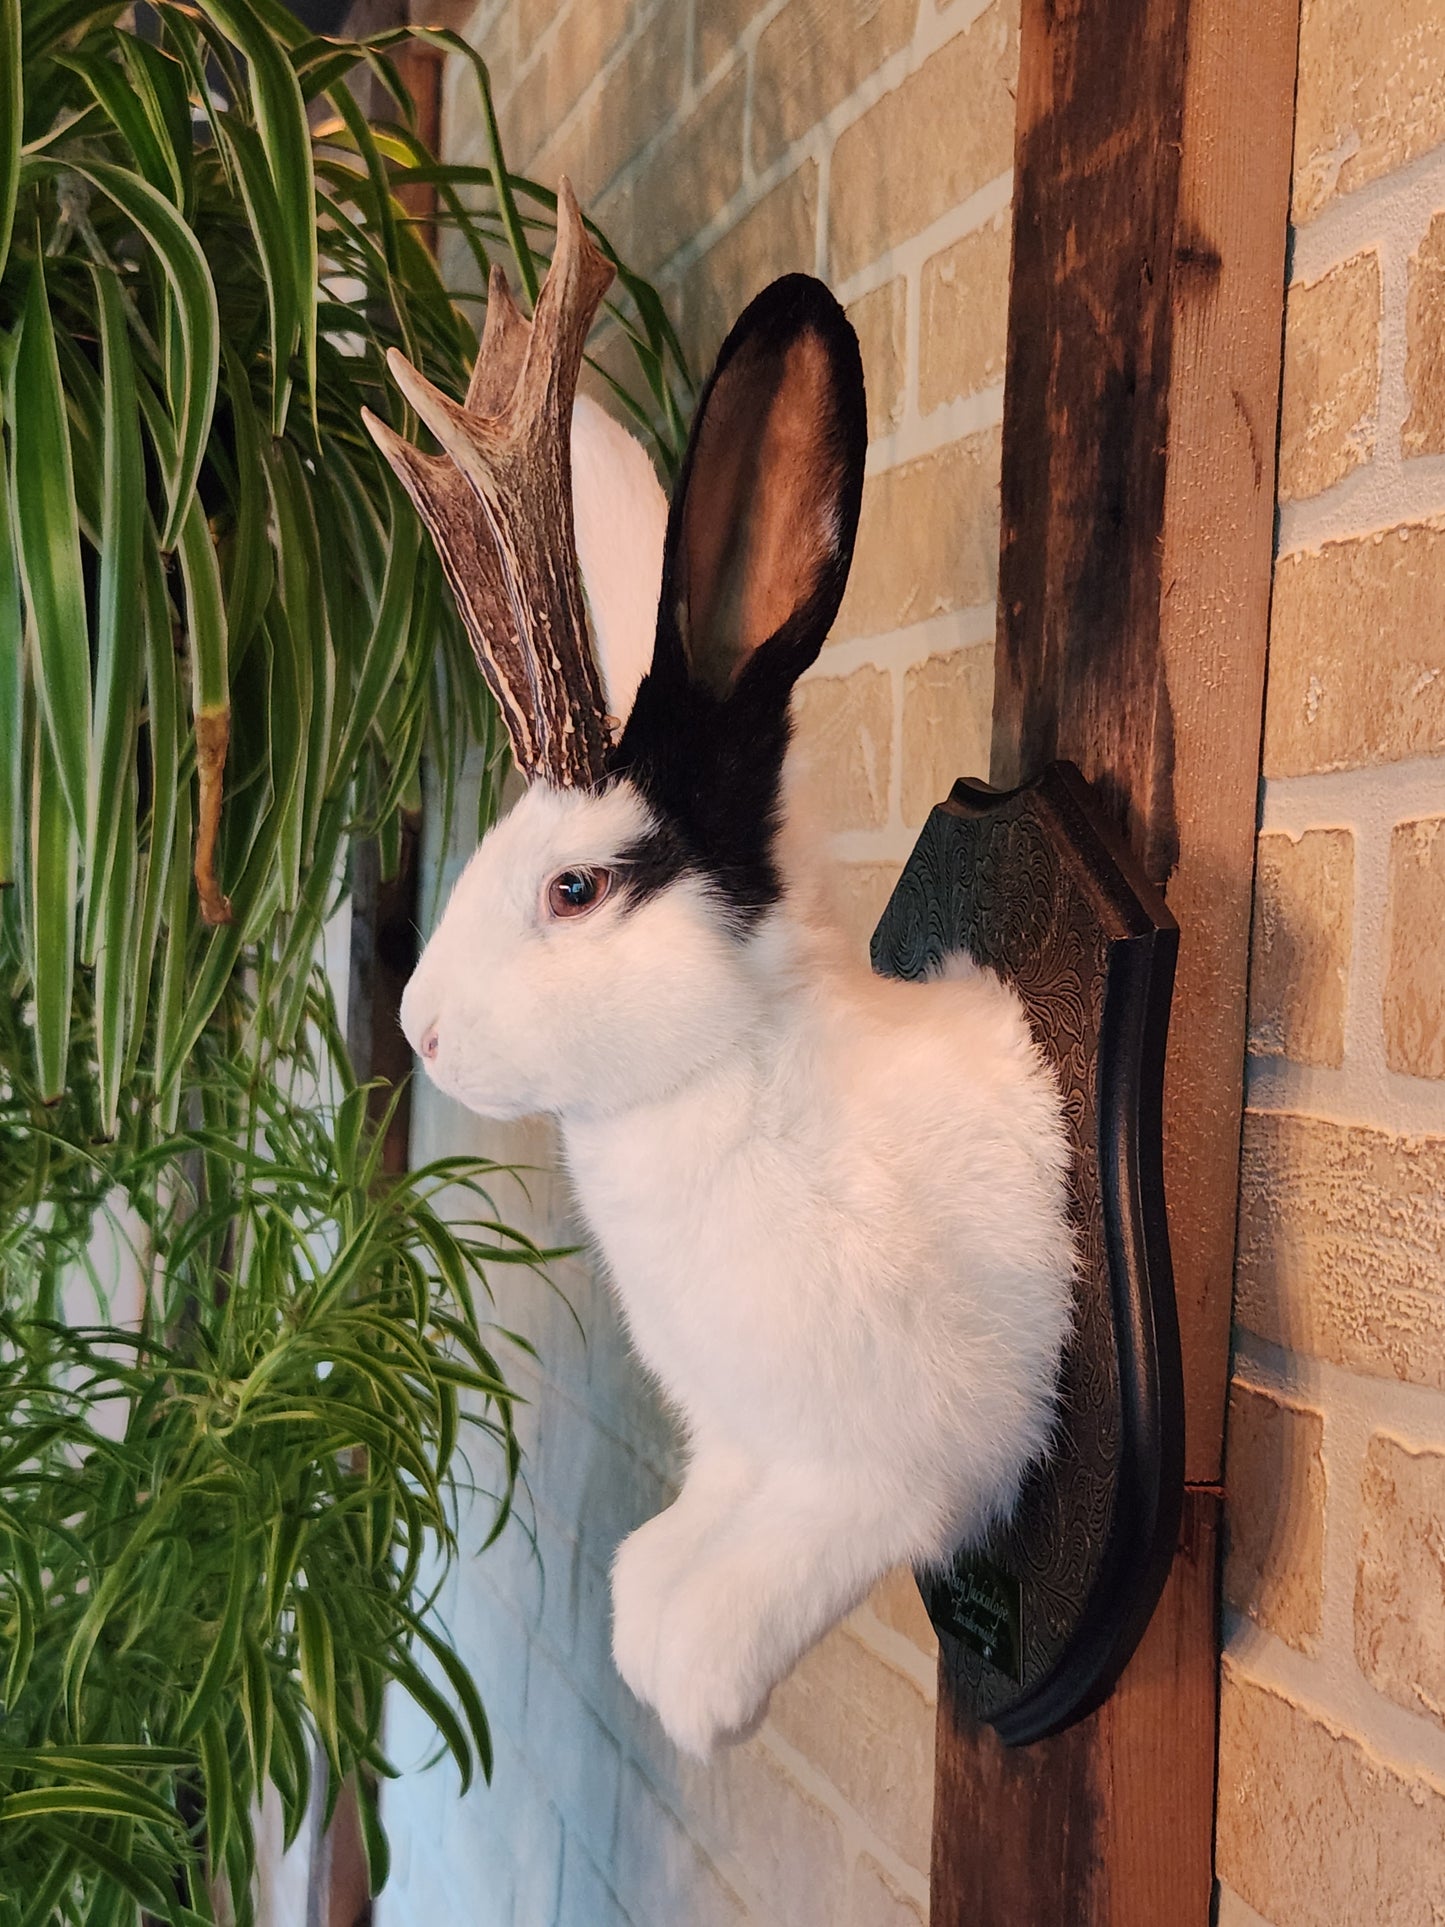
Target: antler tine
{"x": 498, "y": 504}
{"x": 503, "y": 348}
{"x": 444, "y": 500}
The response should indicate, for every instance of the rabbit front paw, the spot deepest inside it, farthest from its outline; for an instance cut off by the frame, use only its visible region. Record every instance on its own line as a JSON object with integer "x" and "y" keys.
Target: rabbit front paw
{"x": 676, "y": 1650}
{"x": 642, "y": 1576}
{"x": 706, "y": 1690}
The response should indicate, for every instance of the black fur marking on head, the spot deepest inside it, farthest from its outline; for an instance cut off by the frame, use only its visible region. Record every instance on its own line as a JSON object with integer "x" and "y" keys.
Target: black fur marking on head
{"x": 709, "y": 770}
{"x": 706, "y": 751}
{"x": 647, "y": 866}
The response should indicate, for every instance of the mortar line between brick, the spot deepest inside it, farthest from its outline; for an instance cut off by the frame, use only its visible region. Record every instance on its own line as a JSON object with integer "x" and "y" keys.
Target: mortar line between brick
{"x": 1406, "y": 1743}
{"x": 1413, "y": 786}
{"x": 817, "y": 141}
{"x": 1415, "y": 1412}
{"x": 1367, "y": 502}
{"x": 1381, "y": 1100}
{"x": 918, "y": 436}
{"x": 1393, "y": 402}
{"x": 1400, "y": 203}
{"x": 966, "y": 217}
{"x": 913, "y": 643}
{"x": 857, "y": 1834}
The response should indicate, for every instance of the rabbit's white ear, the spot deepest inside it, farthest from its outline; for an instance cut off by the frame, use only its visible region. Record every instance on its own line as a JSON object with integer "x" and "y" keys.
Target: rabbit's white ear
{"x": 620, "y": 513}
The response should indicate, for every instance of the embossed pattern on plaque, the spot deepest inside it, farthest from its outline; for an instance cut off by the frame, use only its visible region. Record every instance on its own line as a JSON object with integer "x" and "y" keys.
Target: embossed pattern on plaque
{"x": 1026, "y": 883}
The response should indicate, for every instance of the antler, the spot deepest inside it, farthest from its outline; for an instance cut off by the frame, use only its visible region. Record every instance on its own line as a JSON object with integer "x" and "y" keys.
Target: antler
{"x": 498, "y": 503}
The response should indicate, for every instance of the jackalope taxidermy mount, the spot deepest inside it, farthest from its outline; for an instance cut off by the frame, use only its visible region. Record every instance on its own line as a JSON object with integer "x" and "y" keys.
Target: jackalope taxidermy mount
{"x": 832, "y": 1206}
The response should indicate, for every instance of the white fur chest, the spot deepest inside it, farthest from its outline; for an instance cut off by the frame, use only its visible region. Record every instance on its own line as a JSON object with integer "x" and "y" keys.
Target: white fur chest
{"x": 712, "y": 1210}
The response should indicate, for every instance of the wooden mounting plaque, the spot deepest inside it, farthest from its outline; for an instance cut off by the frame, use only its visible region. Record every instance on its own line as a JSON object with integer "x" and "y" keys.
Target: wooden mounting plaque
{"x": 1037, "y": 1623}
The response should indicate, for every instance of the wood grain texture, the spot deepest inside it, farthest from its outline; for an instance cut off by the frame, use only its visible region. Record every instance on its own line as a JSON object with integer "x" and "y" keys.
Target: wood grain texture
{"x": 1140, "y": 421}
{"x": 1217, "y": 555}
{"x": 1098, "y": 1827}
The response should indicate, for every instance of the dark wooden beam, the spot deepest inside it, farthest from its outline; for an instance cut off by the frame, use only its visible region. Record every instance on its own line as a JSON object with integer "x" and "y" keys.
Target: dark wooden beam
{"x": 1151, "y": 202}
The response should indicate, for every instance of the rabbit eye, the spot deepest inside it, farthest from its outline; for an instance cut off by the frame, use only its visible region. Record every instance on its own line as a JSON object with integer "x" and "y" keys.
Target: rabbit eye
{"x": 574, "y": 892}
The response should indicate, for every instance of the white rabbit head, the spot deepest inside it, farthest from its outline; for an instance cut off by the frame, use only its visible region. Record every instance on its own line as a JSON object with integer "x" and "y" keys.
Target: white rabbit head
{"x": 601, "y": 948}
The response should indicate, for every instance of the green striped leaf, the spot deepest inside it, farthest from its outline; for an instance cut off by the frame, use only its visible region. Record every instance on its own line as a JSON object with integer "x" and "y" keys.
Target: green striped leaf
{"x": 43, "y": 493}
{"x": 221, "y": 1814}
{"x": 164, "y": 726}
{"x": 161, "y": 84}
{"x": 286, "y": 138}
{"x": 115, "y": 988}
{"x": 114, "y": 89}
{"x": 54, "y": 865}
{"x": 278, "y": 266}
{"x": 12, "y": 692}
{"x": 12, "y": 117}
{"x": 318, "y": 1669}
{"x": 257, "y": 1705}
{"x": 205, "y": 625}
{"x": 192, "y": 370}
{"x": 248, "y": 564}
{"x": 118, "y": 624}
{"x": 217, "y": 1674}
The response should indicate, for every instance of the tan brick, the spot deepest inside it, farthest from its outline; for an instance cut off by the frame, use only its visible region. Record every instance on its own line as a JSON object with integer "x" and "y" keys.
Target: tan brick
{"x": 1371, "y": 93}
{"x": 590, "y": 32}
{"x": 776, "y": 236}
{"x": 532, "y": 18}
{"x": 1331, "y": 377}
{"x": 1300, "y": 947}
{"x": 1231, "y": 1911}
{"x": 963, "y": 336}
{"x": 792, "y": 1845}
{"x": 1342, "y": 1243}
{"x": 811, "y": 56}
{"x": 947, "y": 724}
{"x": 551, "y": 87}
{"x": 1424, "y": 430}
{"x": 692, "y": 176}
{"x": 869, "y": 1728}
{"x": 845, "y": 725}
{"x": 878, "y": 1901}
{"x": 927, "y": 540}
{"x": 719, "y": 27}
{"x": 639, "y": 96}
{"x": 942, "y": 134}
{"x": 1415, "y": 973}
{"x": 566, "y": 153}
{"x": 881, "y": 321}
{"x": 1275, "y": 1517}
{"x": 897, "y": 1602}
{"x": 1400, "y": 1581}
{"x": 616, "y": 213}
{"x": 613, "y": 352}
{"x": 860, "y": 892}
{"x": 1313, "y": 1830}
{"x": 1357, "y": 653}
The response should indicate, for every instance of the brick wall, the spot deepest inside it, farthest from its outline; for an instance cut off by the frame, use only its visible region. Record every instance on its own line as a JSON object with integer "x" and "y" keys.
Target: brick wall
{"x": 723, "y": 142}
{"x": 1332, "y": 1748}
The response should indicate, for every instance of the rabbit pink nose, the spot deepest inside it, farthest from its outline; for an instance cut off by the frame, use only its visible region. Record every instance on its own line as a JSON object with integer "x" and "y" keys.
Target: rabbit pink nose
{"x": 429, "y": 1042}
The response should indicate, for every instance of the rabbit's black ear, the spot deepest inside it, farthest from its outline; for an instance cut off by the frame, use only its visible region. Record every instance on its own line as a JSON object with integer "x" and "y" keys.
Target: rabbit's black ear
{"x": 762, "y": 523}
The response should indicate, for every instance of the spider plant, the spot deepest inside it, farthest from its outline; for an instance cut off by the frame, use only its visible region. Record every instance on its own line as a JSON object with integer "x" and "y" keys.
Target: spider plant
{"x": 224, "y": 654}
{"x": 223, "y": 1522}
{"x": 236, "y": 648}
